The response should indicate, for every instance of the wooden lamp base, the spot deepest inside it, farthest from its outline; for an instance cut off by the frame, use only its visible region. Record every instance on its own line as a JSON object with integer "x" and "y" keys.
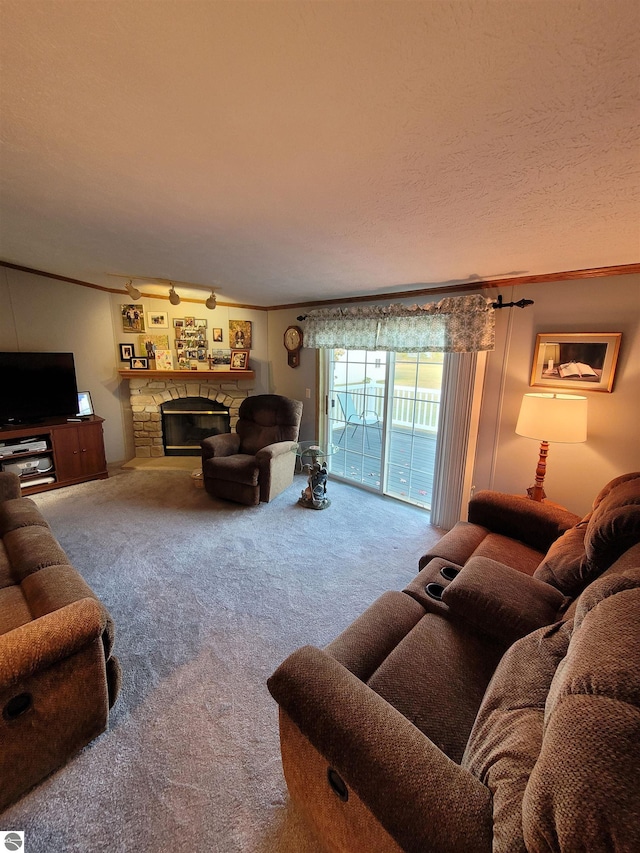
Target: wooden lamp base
{"x": 536, "y": 492}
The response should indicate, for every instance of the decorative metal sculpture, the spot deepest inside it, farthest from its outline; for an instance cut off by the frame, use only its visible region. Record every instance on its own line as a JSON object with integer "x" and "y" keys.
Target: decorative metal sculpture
{"x": 314, "y": 496}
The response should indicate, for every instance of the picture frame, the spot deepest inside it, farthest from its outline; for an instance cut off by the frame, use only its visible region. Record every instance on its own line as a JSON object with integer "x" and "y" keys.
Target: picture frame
{"x": 139, "y": 363}
{"x": 240, "y": 334}
{"x": 217, "y": 336}
{"x": 157, "y": 320}
{"x": 576, "y": 361}
{"x": 164, "y": 359}
{"x": 239, "y": 359}
{"x": 148, "y": 344}
{"x": 127, "y": 352}
{"x": 201, "y": 324}
{"x": 132, "y": 317}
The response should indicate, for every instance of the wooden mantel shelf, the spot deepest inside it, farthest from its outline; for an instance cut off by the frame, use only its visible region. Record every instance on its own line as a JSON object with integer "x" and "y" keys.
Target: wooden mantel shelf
{"x": 188, "y": 375}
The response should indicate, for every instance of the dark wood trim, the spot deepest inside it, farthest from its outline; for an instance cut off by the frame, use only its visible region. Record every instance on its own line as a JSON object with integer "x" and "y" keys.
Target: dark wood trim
{"x": 106, "y": 289}
{"x": 436, "y": 289}
{"x": 466, "y": 287}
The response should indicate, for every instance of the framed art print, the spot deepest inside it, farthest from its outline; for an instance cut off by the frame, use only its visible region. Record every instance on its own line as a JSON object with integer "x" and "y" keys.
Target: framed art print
{"x": 576, "y": 361}
{"x": 239, "y": 359}
{"x": 127, "y": 352}
{"x": 139, "y": 363}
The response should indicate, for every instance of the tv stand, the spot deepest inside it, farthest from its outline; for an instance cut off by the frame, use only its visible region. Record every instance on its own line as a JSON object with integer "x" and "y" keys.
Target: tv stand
{"x": 75, "y": 449}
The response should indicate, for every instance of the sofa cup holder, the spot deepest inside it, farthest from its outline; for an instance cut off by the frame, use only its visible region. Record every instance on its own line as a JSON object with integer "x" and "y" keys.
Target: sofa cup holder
{"x": 434, "y": 590}
{"x": 449, "y": 572}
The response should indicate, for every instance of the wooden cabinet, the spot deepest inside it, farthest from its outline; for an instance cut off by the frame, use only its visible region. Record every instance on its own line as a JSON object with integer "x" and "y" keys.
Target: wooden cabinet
{"x": 74, "y": 453}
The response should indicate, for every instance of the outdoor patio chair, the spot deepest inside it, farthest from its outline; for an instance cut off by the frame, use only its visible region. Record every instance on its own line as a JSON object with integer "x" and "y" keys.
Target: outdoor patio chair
{"x": 352, "y": 415}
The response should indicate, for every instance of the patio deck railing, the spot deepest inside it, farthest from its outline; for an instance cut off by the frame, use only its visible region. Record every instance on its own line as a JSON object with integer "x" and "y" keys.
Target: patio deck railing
{"x": 412, "y": 408}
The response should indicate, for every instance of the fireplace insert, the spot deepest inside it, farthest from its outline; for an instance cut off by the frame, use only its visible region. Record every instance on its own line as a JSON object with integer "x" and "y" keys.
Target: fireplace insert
{"x": 187, "y": 420}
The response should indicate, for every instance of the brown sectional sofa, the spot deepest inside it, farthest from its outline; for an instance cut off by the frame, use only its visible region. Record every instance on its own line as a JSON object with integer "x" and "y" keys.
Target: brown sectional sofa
{"x": 501, "y": 715}
{"x": 58, "y": 676}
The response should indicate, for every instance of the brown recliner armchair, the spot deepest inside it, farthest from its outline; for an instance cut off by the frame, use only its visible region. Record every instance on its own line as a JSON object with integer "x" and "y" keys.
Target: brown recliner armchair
{"x": 256, "y": 462}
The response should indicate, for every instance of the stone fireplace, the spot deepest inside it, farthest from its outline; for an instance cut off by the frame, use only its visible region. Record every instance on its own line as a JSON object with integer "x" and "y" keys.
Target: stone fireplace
{"x": 148, "y": 394}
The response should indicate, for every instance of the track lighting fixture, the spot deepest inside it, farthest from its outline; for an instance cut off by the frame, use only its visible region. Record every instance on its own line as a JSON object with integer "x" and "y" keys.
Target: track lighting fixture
{"x": 211, "y": 302}
{"x": 133, "y": 292}
{"x": 174, "y": 299}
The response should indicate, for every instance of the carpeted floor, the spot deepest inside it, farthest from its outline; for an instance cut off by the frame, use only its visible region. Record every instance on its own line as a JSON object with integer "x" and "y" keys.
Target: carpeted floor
{"x": 208, "y": 598}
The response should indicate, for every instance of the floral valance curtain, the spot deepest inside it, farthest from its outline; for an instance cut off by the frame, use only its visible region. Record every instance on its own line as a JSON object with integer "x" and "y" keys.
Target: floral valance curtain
{"x": 455, "y": 324}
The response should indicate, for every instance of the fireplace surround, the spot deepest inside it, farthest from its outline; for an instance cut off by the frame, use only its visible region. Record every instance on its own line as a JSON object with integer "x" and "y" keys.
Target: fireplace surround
{"x": 147, "y": 395}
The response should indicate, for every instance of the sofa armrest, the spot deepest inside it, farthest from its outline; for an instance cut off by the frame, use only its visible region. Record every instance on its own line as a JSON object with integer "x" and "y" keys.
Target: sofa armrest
{"x": 39, "y": 644}
{"x": 532, "y": 522}
{"x": 272, "y": 450}
{"x": 500, "y": 601}
{"x": 225, "y": 444}
{"x": 398, "y": 773}
{"x": 9, "y": 486}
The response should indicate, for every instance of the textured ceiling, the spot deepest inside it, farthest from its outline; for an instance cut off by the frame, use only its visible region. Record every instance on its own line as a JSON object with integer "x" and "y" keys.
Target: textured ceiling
{"x": 283, "y": 151}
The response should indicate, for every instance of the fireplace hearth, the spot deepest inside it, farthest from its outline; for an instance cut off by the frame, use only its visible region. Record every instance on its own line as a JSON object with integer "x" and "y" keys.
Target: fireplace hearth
{"x": 148, "y": 394}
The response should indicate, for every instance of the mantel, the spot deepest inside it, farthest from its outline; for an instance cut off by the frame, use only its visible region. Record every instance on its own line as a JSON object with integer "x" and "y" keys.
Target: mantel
{"x": 188, "y": 375}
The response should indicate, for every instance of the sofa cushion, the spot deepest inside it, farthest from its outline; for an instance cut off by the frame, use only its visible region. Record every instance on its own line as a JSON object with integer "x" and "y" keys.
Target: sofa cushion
{"x": 585, "y": 783}
{"x": 19, "y": 512}
{"x": 507, "y": 735}
{"x": 562, "y": 565}
{"x": 32, "y": 548}
{"x": 6, "y": 578}
{"x": 436, "y": 677}
{"x": 14, "y": 610}
{"x": 239, "y": 468}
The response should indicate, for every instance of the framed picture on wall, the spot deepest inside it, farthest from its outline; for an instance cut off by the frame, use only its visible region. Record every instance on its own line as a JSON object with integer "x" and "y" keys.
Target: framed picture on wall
{"x": 239, "y": 359}
{"x": 132, "y": 318}
{"x": 576, "y": 361}
{"x": 240, "y": 334}
{"x": 157, "y": 320}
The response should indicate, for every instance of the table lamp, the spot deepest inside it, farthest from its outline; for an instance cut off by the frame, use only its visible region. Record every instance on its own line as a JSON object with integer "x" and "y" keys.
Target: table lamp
{"x": 551, "y": 417}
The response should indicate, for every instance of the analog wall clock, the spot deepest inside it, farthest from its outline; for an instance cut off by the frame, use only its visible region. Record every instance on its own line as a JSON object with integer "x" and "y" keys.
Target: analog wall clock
{"x": 293, "y": 342}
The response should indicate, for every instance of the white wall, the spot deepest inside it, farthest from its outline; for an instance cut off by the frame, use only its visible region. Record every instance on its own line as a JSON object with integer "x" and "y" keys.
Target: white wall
{"x": 44, "y": 314}
{"x": 507, "y": 462}
{"x": 575, "y": 472}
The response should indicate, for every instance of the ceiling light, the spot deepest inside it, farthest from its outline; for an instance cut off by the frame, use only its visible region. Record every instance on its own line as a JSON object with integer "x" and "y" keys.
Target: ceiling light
{"x": 133, "y": 292}
{"x": 174, "y": 299}
{"x": 211, "y": 301}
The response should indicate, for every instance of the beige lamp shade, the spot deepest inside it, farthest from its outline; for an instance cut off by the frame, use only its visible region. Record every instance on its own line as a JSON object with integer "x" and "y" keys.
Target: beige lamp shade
{"x": 553, "y": 417}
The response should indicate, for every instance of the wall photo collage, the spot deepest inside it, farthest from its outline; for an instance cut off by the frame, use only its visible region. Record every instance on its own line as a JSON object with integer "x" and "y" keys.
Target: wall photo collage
{"x": 191, "y": 346}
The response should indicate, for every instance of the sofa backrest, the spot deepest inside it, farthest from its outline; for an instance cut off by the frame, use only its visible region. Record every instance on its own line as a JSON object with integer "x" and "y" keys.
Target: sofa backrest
{"x": 585, "y": 551}
{"x": 557, "y": 738}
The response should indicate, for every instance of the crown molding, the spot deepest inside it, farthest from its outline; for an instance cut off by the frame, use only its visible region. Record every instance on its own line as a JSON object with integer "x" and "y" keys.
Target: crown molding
{"x": 436, "y": 289}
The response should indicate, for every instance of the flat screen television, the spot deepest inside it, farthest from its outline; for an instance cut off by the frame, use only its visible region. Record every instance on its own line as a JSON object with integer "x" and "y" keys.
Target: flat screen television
{"x": 37, "y": 385}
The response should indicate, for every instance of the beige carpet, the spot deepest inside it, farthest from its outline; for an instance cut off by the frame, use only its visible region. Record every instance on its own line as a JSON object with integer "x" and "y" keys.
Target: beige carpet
{"x": 165, "y": 463}
{"x": 208, "y": 598}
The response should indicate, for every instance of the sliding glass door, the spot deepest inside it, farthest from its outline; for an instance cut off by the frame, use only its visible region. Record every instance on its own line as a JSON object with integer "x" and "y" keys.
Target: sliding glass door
{"x": 382, "y": 416}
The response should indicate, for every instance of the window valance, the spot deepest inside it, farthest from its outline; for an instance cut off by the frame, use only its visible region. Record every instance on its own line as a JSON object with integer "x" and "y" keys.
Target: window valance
{"x": 455, "y": 324}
